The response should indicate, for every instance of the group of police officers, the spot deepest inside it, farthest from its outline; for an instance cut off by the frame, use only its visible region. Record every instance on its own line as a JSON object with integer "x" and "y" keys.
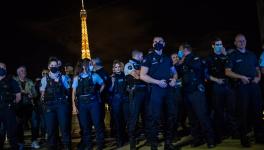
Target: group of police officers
{"x": 221, "y": 95}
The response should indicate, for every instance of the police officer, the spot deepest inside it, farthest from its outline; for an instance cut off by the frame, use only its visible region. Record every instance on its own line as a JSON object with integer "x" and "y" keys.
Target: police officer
{"x": 54, "y": 93}
{"x": 25, "y": 112}
{"x": 9, "y": 95}
{"x": 223, "y": 98}
{"x": 137, "y": 94}
{"x": 119, "y": 102}
{"x": 89, "y": 105}
{"x": 100, "y": 70}
{"x": 194, "y": 95}
{"x": 244, "y": 69}
{"x": 157, "y": 70}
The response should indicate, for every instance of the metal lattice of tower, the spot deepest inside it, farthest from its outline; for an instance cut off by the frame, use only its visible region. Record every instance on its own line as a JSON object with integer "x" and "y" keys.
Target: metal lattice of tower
{"x": 85, "y": 43}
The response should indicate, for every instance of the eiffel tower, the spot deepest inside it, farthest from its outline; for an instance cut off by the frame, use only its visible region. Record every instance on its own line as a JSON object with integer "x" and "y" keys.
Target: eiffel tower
{"x": 85, "y": 43}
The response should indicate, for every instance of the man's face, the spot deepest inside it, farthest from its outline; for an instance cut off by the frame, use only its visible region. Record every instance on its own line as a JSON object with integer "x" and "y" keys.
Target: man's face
{"x": 158, "y": 40}
{"x": 21, "y": 72}
{"x": 53, "y": 64}
{"x": 240, "y": 42}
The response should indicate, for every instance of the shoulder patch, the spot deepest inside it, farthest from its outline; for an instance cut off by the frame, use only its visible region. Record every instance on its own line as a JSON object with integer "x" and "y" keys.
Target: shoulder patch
{"x": 129, "y": 67}
{"x": 196, "y": 58}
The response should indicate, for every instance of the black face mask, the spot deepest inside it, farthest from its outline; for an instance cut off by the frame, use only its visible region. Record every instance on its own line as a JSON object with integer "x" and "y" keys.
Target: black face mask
{"x": 158, "y": 46}
{"x": 2, "y": 72}
{"x": 54, "y": 69}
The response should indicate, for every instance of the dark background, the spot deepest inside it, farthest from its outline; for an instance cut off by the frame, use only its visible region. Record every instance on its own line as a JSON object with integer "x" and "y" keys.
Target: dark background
{"x": 33, "y": 30}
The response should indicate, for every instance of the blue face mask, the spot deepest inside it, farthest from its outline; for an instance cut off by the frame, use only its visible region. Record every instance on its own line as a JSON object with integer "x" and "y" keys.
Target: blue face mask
{"x": 2, "y": 72}
{"x": 180, "y": 54}
{"x": 218, "y": 50}
{"x": 91, "y": 68}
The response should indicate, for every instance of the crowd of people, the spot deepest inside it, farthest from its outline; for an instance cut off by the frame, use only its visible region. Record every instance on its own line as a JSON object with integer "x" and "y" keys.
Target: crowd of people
{"x": 210, "y": 98}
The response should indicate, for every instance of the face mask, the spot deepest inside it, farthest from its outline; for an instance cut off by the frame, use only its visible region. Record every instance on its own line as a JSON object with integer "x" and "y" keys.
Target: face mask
{"x": 54, "y": 69}
{"x": 180, "y": 54}
{"x": 218, "y": 50}
{"x": 158, "y": 46}
{"x": 2, "y": 72}
{"x": 91, "y": 68}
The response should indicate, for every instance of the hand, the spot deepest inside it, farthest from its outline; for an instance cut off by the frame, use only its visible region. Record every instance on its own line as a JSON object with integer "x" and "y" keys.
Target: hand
{"x": 245, "y": 80}
{"x": 74, "y": 110}
{"x": 113, "y": 79}
{"x": 220, "y": 81}
{"x": 224, "y": 51}
{"x": 30, "y": 95}
{"x": 162, "y": 83}
{"x": 256, "y": 80}
{"x": 172, "y": 82}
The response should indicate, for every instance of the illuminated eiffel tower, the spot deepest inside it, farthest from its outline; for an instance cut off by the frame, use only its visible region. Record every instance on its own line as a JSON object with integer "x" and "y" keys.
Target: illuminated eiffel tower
{"x": 85, "y": 43}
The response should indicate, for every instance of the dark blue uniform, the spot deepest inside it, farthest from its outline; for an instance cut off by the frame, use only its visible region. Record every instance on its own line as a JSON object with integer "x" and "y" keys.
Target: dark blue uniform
{"x": 223, "y": 98}
{"x": 8, "y": 88}
{"x": 160, "y": 68}
{"x": 137, "y": 99}
{"x": 249, "y": 103}
{"x": 194, "y": 95}
{"x": 57, "y": 109}
{"x": 119, "y": 105}
{"x": 89, "y": 107}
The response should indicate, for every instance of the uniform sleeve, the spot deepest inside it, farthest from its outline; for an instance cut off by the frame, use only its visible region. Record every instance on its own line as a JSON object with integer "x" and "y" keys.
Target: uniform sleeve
{"x": 75, "y": 83}
{"x": 65, "y": 82}
{"x": 128, "y": 68}
{"x": 229, "y": 62}
{"x": 147, "y": 61}
{"x": 261, "y": 60}
{"x": 33, "y": 89}
{"x": 15, "y": 86}
{"x": 43, "y": 84}
{"x": 97, "y": 79}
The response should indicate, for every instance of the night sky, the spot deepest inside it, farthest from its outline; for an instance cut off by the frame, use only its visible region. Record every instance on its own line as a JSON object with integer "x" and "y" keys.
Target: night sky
{"x": 33, "y": 30}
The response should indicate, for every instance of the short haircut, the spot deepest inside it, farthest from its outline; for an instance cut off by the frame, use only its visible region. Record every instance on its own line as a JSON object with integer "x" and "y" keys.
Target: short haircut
{"x": 186, "y": 45}
{"x": 135, "y": 52}
{"x": 52, "y": 58}
{"x": 97, "y": 61}
{"x": 215, "y": 39}
{"x": 22, "y": 66}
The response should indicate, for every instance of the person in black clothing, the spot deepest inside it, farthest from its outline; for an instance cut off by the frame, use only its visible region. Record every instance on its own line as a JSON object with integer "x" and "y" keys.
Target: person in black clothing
{"x": 104, "y": 95}
{"x": 244, "y": 69}
{"x": 158, "y": 71}
{"x": 223, "y": 98}
{"x": 9, "y": 96}
{"x": 119, "y": 102}
{"x": 194, "y": 96}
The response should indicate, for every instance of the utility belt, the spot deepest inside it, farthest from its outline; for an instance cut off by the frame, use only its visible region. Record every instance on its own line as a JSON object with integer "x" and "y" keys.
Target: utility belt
{"x": 55, "y": 99}
{"x": 88, "y": 98}
{"x": 194, "y": 86}
{"x": 139, "y": 87}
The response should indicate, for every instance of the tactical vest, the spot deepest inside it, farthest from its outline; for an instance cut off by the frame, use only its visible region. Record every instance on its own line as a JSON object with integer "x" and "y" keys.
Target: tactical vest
{"x": 120, "y": 84}
{"x": 218, "y": 66}
{"x": 54, "y": 90}
{"x": 192, "y": 74}
{"x": 24, "y": 97}
{"x": 6, "y": 96}
{"x": 85, "y": 86}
